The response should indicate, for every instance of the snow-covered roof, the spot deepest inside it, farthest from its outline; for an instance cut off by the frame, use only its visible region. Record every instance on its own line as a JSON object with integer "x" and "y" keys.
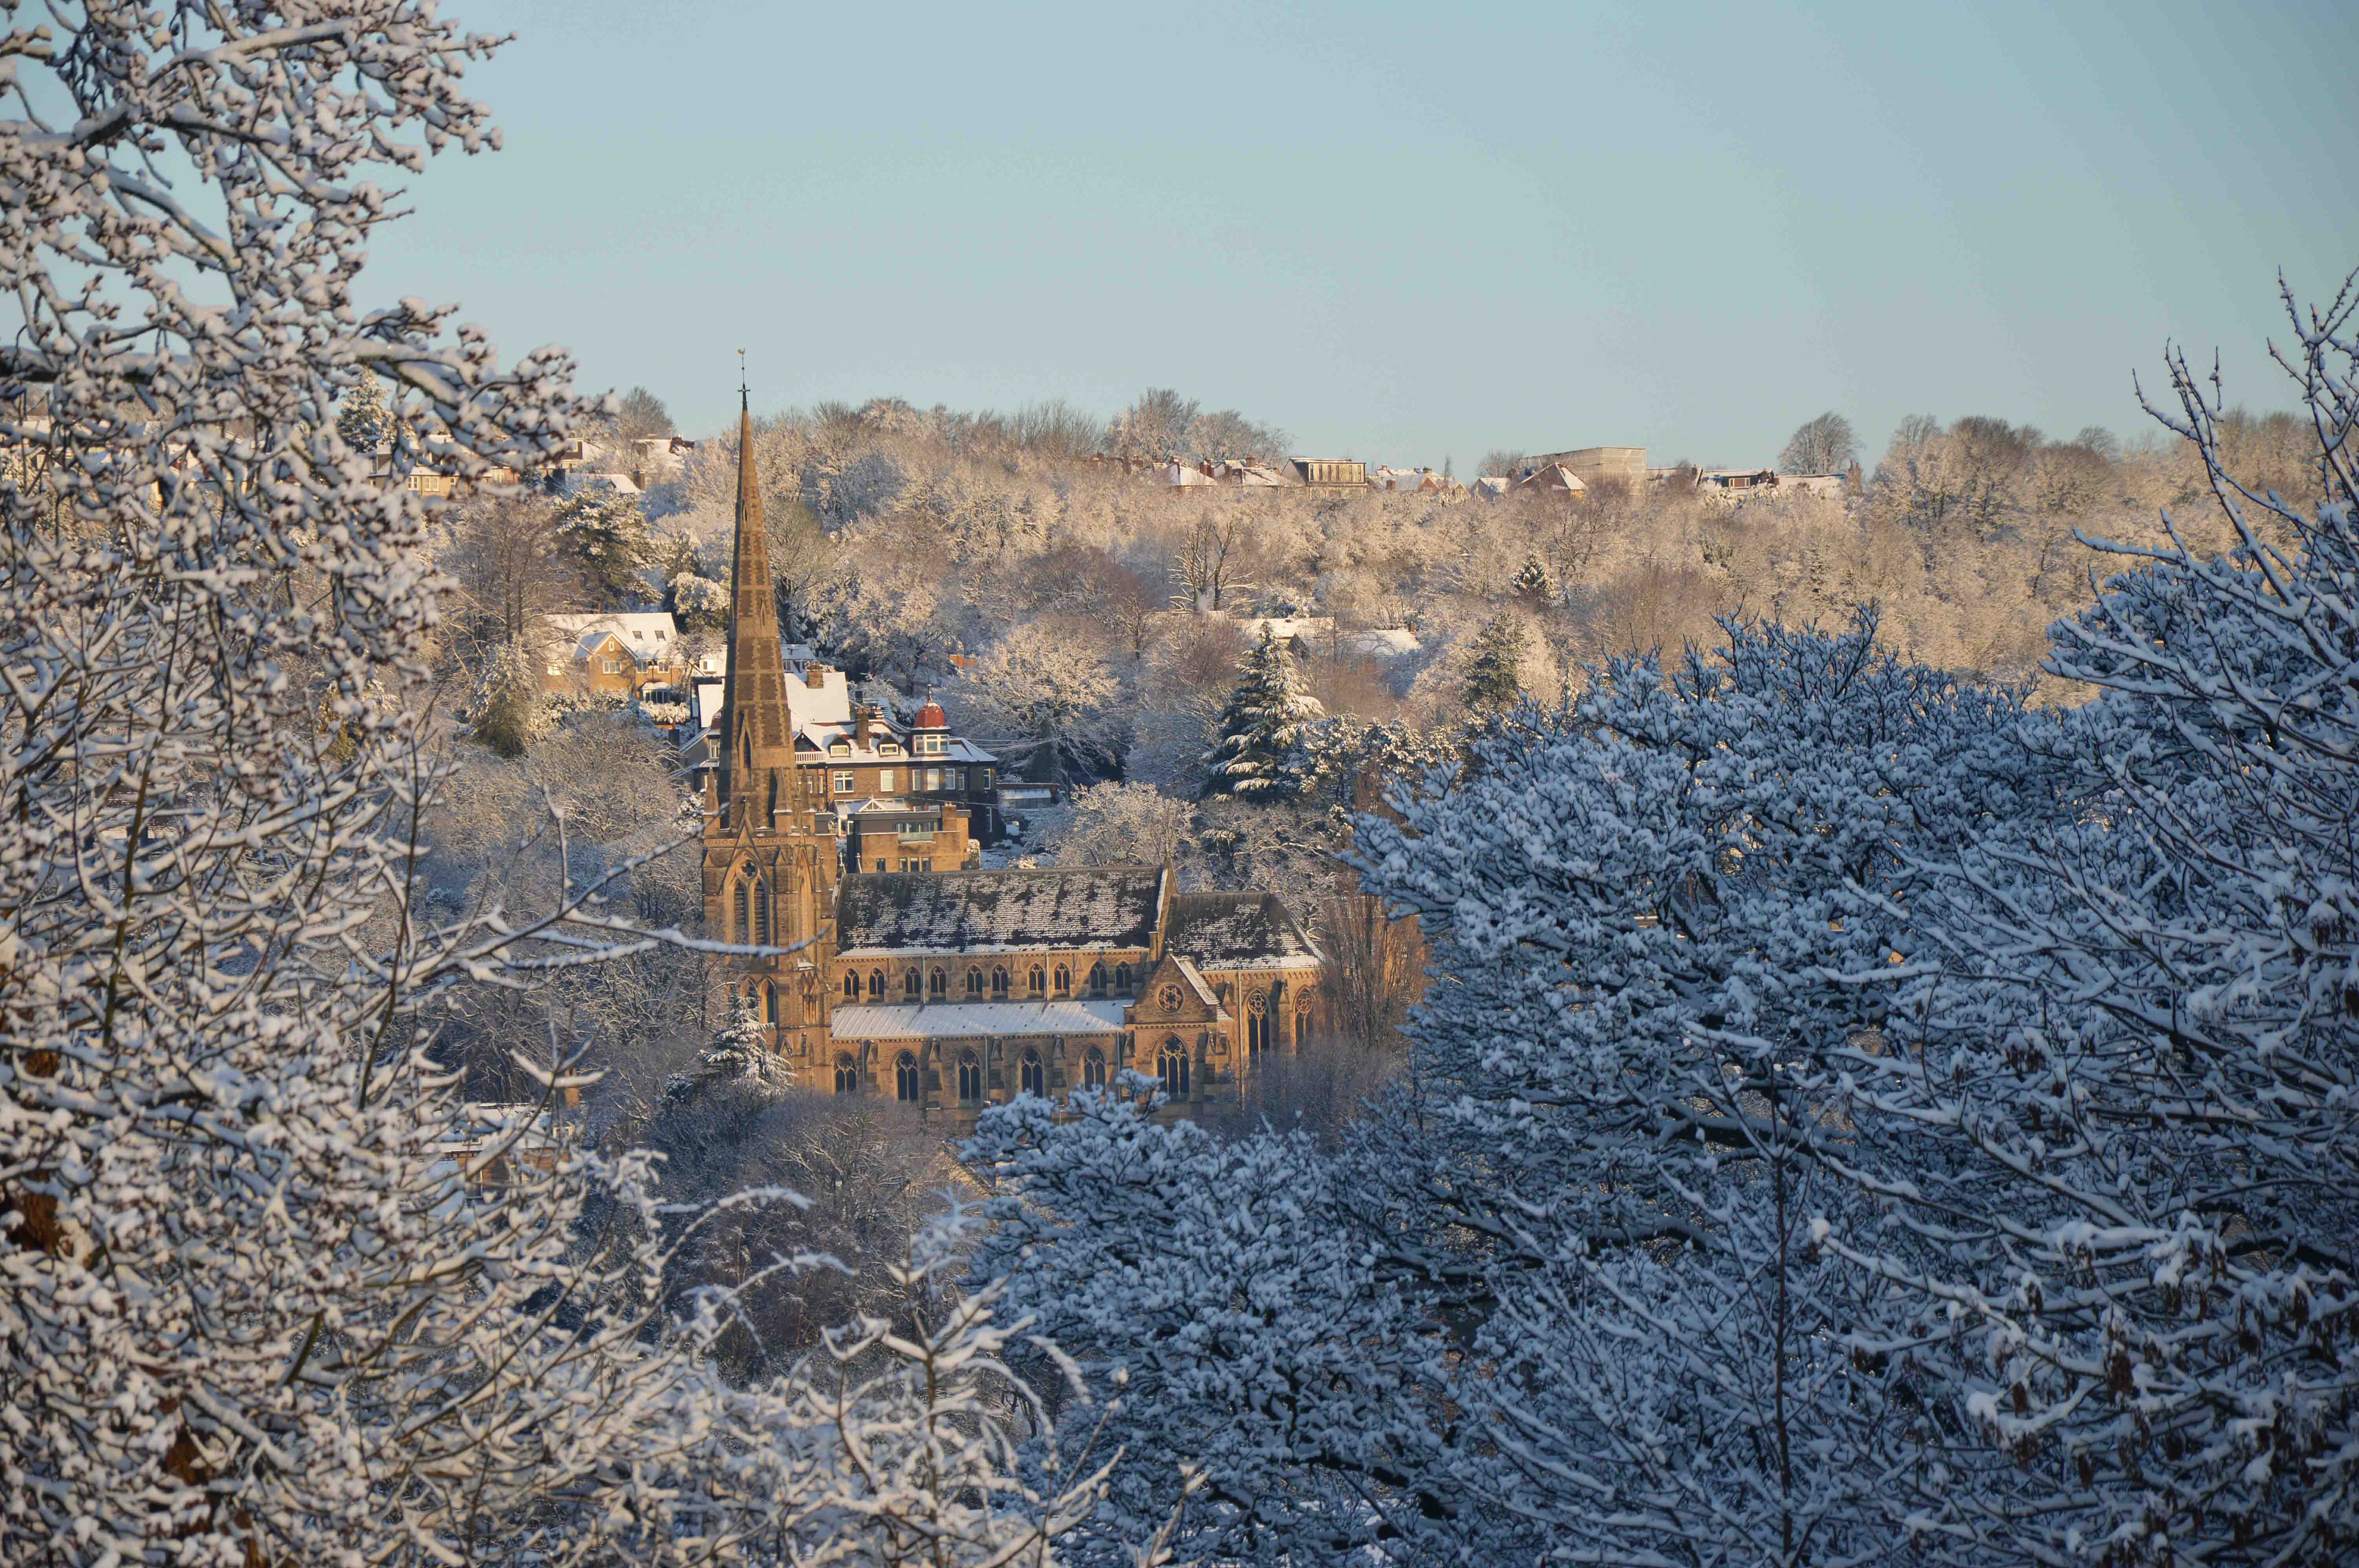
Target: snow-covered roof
{"x": 1286, "y": 628}
{"x": 1185, "y": 474}
{"x": 964, "y": 1019}
{"x": 1491, "y": 486}
{"x": 1206, "y": 995}
{"x": 1555, "y": 476}
{"x": 998, "y": 912}
{"x": 1236, "y": 930}
{"x": 649, "y": 634}
{"x": 1383, "y": 642}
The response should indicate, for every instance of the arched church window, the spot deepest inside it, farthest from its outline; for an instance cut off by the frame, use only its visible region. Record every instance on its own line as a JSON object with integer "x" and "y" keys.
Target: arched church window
{"x": 905, "y": 1078}
{"x": 974, "y": 985}
{"x": 1064, "y": 980}
{"x": 876, "y": 984}
{"x": 937, "y": 984}
{"x": 999, "y": 982}
{"x": 1093, "y": 1068}
{"x": 1097, "y": 979}
{"x": 851, "y": 985}
{"x": 1121, "y": 979}
{"x": 1037, "y": 981}
{"x": 912, "y": 983}
{"x": 761, "y": 913}
{"x": 1033, "y": 1079}
{"x": 1173, "y": 1069}
{"x": 970, "y": 1078}
{"x": 770, "y": 1002}
{"x": 847, "y": 1072}
{"x": 741, "y": 901}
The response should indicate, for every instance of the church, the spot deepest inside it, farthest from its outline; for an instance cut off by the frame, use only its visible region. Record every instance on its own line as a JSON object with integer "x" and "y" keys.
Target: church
{"x": 954, "y": 990}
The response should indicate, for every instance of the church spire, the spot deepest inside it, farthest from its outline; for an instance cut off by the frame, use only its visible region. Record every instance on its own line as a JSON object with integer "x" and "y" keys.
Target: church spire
{"x": 754, "y": 699}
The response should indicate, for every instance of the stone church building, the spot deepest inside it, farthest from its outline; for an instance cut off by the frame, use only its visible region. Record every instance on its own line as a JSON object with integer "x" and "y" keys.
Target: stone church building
{"x": 953, "y": 989}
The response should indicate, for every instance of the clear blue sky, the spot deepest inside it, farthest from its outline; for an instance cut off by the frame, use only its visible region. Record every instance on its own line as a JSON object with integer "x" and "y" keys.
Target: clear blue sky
{"x": 1404, "y": 232}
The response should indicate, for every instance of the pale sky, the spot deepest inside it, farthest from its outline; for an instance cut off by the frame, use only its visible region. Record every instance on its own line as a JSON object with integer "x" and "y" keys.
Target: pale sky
{"x": 1406, "y": 233}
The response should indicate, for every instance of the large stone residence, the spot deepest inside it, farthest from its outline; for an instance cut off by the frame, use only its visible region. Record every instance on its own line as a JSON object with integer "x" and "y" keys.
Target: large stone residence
{"x": 958, "y": 990}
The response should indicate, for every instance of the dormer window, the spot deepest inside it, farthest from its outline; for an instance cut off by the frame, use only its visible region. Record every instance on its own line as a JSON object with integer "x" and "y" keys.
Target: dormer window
{"x": 929, "y": 745}
{"x": 839, "y": 747}
{"x": 889, "y": 748}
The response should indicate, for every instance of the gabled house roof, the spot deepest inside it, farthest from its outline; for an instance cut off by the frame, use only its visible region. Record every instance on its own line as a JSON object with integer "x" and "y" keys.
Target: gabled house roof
{"x": 649, "y": 634}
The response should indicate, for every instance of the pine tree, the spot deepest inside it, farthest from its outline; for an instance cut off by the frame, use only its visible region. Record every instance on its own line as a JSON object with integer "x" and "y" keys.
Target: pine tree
{"x": 607, "y": 533}
{"x": 362, "y": 417}
{"x": 1494, "y": 674}
{"x": 738, "y": 1051}
{"x": 1533, "y": 588}
{"x": 1258, "y": 754}
{"x": 510, "y": 711}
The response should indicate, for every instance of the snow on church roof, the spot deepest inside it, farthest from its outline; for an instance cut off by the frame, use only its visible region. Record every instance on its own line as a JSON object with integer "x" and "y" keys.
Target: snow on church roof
{"x": 1236, "y": 930}
{"x": 998, "y": 911}
{"x": 956, "y": 1020}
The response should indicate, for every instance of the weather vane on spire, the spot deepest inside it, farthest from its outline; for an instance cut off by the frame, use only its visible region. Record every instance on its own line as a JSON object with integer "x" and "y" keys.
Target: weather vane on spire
{"x": 741, "y": 378}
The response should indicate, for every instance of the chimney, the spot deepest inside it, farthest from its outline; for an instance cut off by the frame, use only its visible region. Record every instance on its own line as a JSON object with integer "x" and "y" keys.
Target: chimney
{"x": 815, "y": 676}
{"x": 863, "y": 725}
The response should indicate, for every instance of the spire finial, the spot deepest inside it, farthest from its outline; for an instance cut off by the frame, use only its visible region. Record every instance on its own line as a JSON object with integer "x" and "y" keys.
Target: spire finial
{"x": 740, "y": 380}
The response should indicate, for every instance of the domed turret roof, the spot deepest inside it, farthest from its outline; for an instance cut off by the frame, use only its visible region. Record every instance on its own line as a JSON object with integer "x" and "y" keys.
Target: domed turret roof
{"x": 931, "y": 716}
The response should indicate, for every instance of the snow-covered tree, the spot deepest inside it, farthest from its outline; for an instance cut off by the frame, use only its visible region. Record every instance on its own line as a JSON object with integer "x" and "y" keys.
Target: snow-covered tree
{"x": 2130, "y": 1038}
{"x": 1213, "y": 1289}
{"x": 268, "y": 1294}
{"x": 1533, "y": 589}
{"x": 509, "y": 709}
{"x": 1613, "y": 1132}
{"x": 700, "y": 604}
{"x": 1261, "y": 727}
{"x": 1823, "y": 445}
{"x": 362, "y": 417}
{"x": 1044, "y": 700}
{"x": 1495, "y": 667}
{"x": 606, "y": 533}
{"x": 1113, "y": 823}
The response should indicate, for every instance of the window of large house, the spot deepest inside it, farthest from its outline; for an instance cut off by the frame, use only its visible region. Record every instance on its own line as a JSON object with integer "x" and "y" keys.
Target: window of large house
{"x": 1034, "y": 1080}
{"x": 844, "y": 783}
{"x": 885, "y": 781}
{"x": 1036, "y": 982}
{"x": 933, "y": 778}
{"x": 1093, "y": 1068}
{"x": 918, "y": 829}
{"x": 911, "y": 984}
{"x": 929, "y": 745}
{"x": 982, "y": 779}
{"x": 847, "y": 1073}
{"x": 998, "y": 984}
{"x": 839, "y": 747}
{"x": 974, "y": 983}
{"x": 889, "y": 748}
{"x": 613, "y": 666}
{"x": 953, "y": 779}
{"x": 1064, "y": 980}
{"x": 936, "y": 985}
{"x": 970, "y": 1079}
{"x": 876, "y": 984}
{"x": 905, "y": 1078}
{"x": 1173, "y": 1069}
{"x": 1097, "y": 979}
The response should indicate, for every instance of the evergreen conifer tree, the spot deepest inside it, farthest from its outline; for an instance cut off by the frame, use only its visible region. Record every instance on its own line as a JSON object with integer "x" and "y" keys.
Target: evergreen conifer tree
{"x": 1494, "y": 674}
{"x": 1533, "y": 588}
{"x": 607, "y": 533}
{"x": 1258, "y": 754}
{"x": 362, "y": 417}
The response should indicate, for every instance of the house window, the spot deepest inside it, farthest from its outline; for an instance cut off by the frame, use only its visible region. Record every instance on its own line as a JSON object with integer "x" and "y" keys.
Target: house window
{"x": 905, "y": 1078}
{"x": 933, "y": 779}
{"x": 970, "y": 1079}
{"x": 1097, "y": 979}
{"x": 1093, "y": 1068}
{"x": 911, "y": 984}
{"x": 885, "y": 781}
{"x": 919, "y": 829}
{"x": 613, "y": 666}
{"x": 839, "y": 747}
{"x": 1036, "y": 982}
{"x": 844, "y": 783}
{"x": 876, "y": 984}
{"x": 1121, "y": 979}
{"x": 974, "y": 985}
{"x": 888, "y": 749}
{"x": 847, "y": 1074}
{"x": 929, "y": 745}
{"x": 851, "y": 986}
{"x": 1064, "y": 980}
{"x": 953, "y": 779}
{"x": 1173, "y": 1069}
{"x": 1034, "y": 1080}
{"x": 982, "y": 780}
{"x": 998, "y": 983}
{"x": 938, "y": 985}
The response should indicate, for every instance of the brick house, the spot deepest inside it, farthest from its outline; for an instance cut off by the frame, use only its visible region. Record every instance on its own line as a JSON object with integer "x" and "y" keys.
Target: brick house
{"x": 615, "y": 654}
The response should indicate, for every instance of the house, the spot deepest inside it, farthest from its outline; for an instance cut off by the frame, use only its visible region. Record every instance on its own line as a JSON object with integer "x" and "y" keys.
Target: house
{"x": 1493, "y": 487}
{"x": 1735, "y": 484}
{"x": 1331, "y": 473}
{"x": 856, "y": 753}
{"x": 1555, "y": 479}
{"x": 963, "y": 990}
{"x": 1184, "y": 474}
{"x": 906, "y": 835}
{"x": 655, "y": 459}
{"x": 1421, "y": 480}
{"x": 1250, "y": 475}
{"x": 1832, "y": 486}
{"x": 612, "y": 653}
